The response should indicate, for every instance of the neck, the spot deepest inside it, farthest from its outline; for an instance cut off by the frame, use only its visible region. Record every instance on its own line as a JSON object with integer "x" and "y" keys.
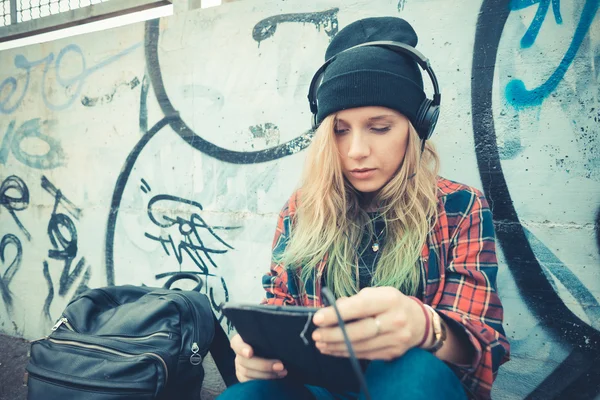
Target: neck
{"x": 368, "y": 201}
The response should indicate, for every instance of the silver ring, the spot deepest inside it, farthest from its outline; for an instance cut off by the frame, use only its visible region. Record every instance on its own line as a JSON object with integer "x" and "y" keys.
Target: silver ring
{"x": 377, "y": 326}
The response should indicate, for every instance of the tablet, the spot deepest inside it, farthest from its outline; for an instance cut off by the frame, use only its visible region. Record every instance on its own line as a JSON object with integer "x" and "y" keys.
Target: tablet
{"x": 285, "y": 333}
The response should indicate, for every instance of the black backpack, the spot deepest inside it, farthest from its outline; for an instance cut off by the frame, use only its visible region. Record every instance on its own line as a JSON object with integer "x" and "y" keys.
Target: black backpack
{"x": 128, "y": 342}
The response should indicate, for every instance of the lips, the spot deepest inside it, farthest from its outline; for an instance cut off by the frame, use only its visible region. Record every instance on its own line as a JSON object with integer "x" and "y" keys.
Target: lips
{"x": 362, "y": 173}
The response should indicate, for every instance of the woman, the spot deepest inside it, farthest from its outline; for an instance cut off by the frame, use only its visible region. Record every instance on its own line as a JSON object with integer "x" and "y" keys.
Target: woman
{"x": 410, "y": 256}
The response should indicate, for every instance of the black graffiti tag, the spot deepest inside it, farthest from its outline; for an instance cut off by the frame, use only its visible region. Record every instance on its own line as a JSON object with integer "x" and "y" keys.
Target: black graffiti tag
{"x": 193, "y": 244}
{"x": 190, "y": 228}
{"x": 14, "y": 196}
{"x": 12, "y": 269}
{"x": 326, "y": 19}
{"x": 64, "y": 246}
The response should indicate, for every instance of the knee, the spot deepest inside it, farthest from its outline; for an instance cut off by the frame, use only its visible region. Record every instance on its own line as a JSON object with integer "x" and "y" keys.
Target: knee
{"x": 413, "y": 373}
{"x": 266, "y": 389}
{"x": 247, "y": 390}
{"x": 415, "y": 362}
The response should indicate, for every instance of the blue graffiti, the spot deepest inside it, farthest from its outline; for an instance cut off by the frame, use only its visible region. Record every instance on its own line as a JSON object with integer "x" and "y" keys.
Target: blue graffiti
{"x": 531, "y": 34}
{"x": 21, "y": 63}
{"x": 10, "y": 102}
{"x": 32, "y": 129}
{"x": 516, "y": 92}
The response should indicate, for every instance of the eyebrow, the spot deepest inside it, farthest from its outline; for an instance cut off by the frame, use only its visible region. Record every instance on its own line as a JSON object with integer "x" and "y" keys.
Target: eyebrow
{"x": 380, "y": 117}
{"x": 377, "y": 118}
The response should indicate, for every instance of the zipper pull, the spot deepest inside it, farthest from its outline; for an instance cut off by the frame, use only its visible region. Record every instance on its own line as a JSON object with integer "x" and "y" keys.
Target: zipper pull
{"x": 61, "y": 321}
{"x": 195, "y": 358}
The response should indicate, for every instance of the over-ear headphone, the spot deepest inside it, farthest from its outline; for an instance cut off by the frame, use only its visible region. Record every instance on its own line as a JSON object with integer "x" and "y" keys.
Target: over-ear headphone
{"x": 429, "y": 110}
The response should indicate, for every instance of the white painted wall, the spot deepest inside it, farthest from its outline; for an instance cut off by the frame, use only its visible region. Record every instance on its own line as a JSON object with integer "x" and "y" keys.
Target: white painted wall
{"x": 85, "y": 96}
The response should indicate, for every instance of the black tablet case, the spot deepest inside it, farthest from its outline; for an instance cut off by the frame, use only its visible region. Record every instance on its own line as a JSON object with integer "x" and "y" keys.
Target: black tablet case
{"x": 276, "y": 332}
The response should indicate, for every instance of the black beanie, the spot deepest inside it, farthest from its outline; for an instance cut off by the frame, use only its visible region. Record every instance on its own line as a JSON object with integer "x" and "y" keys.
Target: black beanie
{"x": 371, "y": 76}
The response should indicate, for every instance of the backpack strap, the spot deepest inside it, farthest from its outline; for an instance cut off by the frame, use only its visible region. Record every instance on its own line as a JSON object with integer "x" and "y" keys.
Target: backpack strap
{"x": 220, "y": 348}
{"x": 223, "y": 354}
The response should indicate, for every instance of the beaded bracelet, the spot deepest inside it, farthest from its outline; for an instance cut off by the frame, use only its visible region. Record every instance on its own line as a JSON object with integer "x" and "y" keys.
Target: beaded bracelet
{"x": 427, "y": 321}
{"x": 439, "y": 330}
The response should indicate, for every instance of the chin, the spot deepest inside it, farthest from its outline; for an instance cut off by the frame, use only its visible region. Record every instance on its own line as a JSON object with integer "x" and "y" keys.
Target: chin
{"x": 366, "y": 186}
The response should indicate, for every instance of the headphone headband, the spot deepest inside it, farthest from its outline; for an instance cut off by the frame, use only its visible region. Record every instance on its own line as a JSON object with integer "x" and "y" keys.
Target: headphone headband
{"x": 397, "y": 47}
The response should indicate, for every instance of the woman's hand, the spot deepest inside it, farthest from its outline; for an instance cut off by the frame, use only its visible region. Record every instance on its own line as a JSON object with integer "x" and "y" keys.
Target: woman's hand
{"x": 248, "y": 367}
{"x": 384, "y": 325}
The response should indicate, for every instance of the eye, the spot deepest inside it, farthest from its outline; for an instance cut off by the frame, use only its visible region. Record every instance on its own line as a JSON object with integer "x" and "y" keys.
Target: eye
{"x": 339, "y": 131}
{"x": 381, "y": 130}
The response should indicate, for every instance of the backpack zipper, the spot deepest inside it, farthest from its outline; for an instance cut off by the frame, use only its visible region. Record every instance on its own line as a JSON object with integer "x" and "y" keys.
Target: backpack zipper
{"x": 163, "y": 334}
{"x": 112, "y": 351}
{"x": 195, "y": 358}
{"x": 64, "y": 321}
{"x": 113, "y": 391}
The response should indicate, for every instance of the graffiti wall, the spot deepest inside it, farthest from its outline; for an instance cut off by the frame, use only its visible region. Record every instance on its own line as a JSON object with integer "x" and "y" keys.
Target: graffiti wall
{"x": 131, "y": 154}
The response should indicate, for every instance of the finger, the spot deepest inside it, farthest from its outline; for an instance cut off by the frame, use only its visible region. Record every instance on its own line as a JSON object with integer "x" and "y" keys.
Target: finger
{"x": 261, "y": 364}
{"x": 327, "y": 315}
{"x": 256, "y": 364}
{"x": 368, "y": 302}
{"x": 387, "y": 354}
{"x": 371, "y": 344}
{"x": 391, "y": 321}
{"x": 359, "y": 330}
{"x": 239, "y": 370}
{"x": 240, "y": 347}
{"x": 248, "y": 374}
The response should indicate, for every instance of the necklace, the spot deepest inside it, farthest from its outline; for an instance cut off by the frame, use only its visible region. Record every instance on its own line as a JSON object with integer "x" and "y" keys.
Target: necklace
{"x": 375, "y": 246}
{"x": 374, "y": 240}
{"x": 371, "y": 270}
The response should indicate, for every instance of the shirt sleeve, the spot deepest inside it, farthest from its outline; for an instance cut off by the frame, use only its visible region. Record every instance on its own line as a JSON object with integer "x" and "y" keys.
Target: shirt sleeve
{"x": 470, "y": 299}
{"x": 275, "y": 282}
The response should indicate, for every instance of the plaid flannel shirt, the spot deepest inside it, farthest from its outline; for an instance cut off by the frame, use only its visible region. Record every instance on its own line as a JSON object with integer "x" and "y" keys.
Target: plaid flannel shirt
{"x": 458, "y": 265}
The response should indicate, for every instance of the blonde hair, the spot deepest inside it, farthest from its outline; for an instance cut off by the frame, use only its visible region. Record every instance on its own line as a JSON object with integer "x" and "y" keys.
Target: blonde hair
{"x": 331, "y": 222}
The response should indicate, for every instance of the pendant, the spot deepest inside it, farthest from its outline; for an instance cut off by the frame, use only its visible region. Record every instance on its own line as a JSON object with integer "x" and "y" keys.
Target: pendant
{"x": 375, "y": 247}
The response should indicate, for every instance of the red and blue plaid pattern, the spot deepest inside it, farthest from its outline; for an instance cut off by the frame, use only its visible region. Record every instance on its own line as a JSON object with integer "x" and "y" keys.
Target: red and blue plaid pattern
{"x": 459, "y": 266}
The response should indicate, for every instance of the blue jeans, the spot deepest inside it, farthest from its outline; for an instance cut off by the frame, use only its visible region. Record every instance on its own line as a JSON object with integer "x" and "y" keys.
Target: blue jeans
{"x": 416, "y": 375}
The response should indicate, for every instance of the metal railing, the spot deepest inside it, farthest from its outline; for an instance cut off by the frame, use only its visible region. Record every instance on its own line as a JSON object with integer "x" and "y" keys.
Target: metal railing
{"x": 16, "y": 11}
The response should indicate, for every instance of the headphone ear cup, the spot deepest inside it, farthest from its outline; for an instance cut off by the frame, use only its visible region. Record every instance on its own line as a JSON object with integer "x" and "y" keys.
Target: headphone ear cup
{"x": 433, "y": 112}
{"x": 420, "y": 122}
{"x": 426, "y": 119}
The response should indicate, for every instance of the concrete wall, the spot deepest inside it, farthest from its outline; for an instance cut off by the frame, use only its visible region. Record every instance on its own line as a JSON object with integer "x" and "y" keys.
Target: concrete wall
{"x": 114, "y": 143}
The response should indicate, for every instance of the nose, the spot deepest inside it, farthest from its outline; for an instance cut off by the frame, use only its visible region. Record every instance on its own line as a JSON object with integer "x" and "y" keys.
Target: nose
{"x": 359, "y": 146}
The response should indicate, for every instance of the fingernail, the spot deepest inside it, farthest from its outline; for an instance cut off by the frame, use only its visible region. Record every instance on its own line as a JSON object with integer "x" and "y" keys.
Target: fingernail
{"x": 316, "y": 336}
{"x": 278, "y": 367}
{"x": 247, "y": 352}
{"x": 282, "y": 373}
{"x": 321, "y": 345}
{"x": 318, "y": 318}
